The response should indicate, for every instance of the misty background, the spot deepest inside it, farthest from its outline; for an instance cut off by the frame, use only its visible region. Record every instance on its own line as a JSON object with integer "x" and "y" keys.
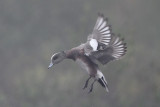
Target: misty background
{"x": 32, "y": 30}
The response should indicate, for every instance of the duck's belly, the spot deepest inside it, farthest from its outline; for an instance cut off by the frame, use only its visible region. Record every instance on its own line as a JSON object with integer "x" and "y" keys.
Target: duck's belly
{"x": 83, "y": 65}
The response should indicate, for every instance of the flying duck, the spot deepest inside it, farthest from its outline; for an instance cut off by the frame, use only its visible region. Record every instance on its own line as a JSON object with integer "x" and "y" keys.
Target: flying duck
{"x": 102, "y": 46}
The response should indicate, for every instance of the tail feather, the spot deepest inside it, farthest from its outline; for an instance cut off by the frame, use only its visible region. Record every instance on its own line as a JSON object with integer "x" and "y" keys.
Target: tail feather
{"x": 104, "y": 84}
{"x": 100, "y": 81}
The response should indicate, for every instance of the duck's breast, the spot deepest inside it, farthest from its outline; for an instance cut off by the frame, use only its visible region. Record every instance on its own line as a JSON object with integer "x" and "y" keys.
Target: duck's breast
{"x": 83, "y": 64}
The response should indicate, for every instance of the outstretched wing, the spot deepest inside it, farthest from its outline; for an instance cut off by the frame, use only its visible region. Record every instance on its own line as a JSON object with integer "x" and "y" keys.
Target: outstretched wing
{"x": 100, "y": 36}
{"x": 101, "y": 31}
{"x": 115, "y": 50}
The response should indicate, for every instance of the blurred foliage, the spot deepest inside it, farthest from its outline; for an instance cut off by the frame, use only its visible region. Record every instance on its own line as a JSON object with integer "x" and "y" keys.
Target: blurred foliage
{"x": 32, "y": 30}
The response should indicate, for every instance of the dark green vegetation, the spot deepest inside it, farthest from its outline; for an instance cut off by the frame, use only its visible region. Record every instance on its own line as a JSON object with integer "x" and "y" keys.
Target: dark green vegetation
{"x": 32, "y": 30}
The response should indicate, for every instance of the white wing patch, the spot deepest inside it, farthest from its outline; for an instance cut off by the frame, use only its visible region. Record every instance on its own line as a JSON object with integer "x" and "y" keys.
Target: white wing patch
{"x": 94, "y": 44}
{"x": 103, "y": 29}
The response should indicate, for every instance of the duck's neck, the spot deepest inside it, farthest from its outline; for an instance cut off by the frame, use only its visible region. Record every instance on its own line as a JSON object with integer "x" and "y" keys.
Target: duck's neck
{"x": 70, "y": 54}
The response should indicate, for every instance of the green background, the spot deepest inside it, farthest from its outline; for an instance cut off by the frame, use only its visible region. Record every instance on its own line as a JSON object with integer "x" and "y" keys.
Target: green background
{"x": 32, "y": 30}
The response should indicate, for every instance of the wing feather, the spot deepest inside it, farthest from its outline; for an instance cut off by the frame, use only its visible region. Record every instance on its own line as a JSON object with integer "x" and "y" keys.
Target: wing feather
{"x": 115, "y": 50}
{"x": 101, "y": 30}
{"x": 102, "y": 45}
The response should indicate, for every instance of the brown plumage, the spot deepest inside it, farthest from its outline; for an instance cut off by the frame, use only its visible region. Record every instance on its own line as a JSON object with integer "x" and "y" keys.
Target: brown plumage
{"x": 102, "y": 46}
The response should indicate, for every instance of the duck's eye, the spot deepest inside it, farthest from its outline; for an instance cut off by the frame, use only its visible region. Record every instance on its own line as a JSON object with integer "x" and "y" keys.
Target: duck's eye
{"x": 55, "y": 57}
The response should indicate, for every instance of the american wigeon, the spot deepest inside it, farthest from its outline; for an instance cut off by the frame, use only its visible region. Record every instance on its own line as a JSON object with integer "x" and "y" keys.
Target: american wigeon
{"x": 102, "y": 46}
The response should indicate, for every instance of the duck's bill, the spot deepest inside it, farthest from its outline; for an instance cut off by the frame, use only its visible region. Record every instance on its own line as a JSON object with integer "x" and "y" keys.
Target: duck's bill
{"x": 50, "y": 65}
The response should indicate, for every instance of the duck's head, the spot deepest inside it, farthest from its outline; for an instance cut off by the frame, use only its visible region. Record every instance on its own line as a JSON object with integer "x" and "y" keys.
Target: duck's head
{"x": 57, "y": 58}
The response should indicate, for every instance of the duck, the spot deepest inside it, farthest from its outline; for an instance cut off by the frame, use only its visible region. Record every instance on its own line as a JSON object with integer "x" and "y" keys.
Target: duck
{"x": 102, "y": 46}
